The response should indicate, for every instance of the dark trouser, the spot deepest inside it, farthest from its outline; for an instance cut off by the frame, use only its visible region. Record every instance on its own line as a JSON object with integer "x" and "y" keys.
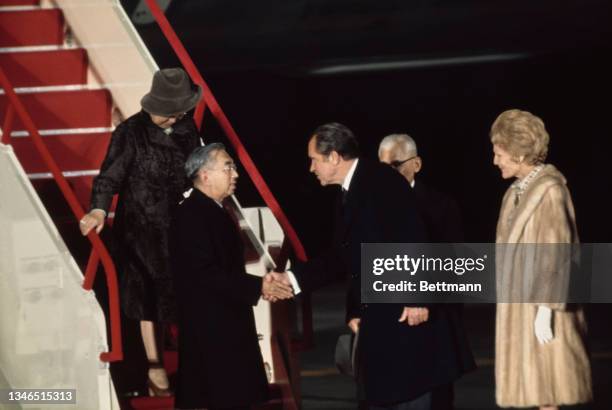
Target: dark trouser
{"x": 420, "y": 403}
{"x": 441, "y": 398}
{"x": 222, "y": 408}
{"x": 231, "y": 408}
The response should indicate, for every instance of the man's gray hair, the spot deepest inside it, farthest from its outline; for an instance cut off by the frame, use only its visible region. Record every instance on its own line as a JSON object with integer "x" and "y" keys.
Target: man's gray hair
{"x": 201, "y": 157}
{"x": 404, "y": 142}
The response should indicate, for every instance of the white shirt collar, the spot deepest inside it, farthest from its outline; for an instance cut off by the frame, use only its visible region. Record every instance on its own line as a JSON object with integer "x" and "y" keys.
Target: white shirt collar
{"x": 413, "y": 182}
{"x": 349, "y": 176}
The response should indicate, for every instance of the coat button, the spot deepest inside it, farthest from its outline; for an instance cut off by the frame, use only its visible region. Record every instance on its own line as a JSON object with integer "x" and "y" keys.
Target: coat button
{"x": 345, "y": 244}
{"x": 354, "y": 276}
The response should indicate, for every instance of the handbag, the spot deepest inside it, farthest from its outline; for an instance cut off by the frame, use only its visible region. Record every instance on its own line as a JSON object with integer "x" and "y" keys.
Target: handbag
{"x": 346, "y": 348}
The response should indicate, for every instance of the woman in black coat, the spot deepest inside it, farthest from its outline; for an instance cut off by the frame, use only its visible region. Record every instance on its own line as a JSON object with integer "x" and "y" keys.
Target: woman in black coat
{"x": 144, "y": 165}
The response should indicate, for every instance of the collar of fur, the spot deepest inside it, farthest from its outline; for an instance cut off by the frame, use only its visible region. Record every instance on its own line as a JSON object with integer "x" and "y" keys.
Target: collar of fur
{"x": 531, "y": 198}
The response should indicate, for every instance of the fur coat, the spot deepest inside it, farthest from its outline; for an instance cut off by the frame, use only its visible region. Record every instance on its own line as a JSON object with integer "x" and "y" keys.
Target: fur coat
{"x": 528, "y": 373}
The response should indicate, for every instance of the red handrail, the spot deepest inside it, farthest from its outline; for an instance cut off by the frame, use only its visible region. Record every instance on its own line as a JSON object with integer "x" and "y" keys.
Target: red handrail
{"x": 215, "y": 109}
{"x": 15, "y": 106}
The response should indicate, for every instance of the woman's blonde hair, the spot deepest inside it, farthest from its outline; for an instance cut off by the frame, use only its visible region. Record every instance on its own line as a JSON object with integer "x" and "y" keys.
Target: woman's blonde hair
{"x": 522, "y": 135}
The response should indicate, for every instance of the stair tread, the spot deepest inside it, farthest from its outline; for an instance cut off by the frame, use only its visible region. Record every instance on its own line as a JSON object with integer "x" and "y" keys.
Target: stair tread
{"x": 19, "y": 2}
{"x": 31, "y": 27}
{"x": 64, "y": 131}
{"x": 35, "y": 48}
{"x": 64, "y": 109}
{"x": 71, "y": 151}
{"x": 45, "y": 68}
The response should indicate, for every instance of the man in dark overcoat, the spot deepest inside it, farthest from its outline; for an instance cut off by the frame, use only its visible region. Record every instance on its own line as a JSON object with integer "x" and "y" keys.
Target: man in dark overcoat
{"x": 404, "y": 352}
{"x": 443, "y": 224}
{"x": 220, "y": 362}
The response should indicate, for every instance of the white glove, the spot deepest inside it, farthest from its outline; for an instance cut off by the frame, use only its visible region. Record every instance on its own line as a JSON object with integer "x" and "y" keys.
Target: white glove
{"x": 543, "y": 325}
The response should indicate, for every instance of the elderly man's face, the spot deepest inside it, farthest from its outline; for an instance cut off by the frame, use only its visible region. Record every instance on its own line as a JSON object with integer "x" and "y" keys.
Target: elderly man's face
{"x": 221, "y": 176}
{"x": 407, "y": 165}
{"x": 321, "y": 165}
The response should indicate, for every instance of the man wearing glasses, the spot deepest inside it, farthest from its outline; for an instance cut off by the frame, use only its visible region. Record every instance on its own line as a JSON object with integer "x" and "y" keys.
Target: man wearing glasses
{"x": 442, "y": 221}
{"x": 440, "y": 212}
{"x": 220, "y": 363}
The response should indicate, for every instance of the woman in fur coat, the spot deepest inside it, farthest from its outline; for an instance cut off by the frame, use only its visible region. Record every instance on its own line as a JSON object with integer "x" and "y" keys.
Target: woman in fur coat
{"x": 540, "y": 354}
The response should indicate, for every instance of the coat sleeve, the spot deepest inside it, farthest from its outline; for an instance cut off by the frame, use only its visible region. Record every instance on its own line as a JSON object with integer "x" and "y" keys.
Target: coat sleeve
{"x": 353, "y": 301}
{"x": 552, "y": 253}
{"x": 114, "y": 169}
{"x": 325, "y": 269}
{"x": 200, "y": 266}
{"x": 320, "y": 271}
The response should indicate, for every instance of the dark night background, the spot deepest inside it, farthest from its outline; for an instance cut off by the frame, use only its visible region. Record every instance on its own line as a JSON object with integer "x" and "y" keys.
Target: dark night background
{"x": 264, "y": 63}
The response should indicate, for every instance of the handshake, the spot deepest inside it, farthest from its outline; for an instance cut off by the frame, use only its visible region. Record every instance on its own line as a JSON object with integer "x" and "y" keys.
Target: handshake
{"x": 276, "y": 286}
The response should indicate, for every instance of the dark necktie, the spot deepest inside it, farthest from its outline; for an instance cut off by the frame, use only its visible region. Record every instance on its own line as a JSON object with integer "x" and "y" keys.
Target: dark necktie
{"x": 344, "y": 194}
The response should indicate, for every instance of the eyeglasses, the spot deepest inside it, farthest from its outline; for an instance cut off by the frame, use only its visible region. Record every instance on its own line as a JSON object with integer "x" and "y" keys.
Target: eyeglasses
{"x": 397, "y": 164}
{"x": 230, "y": 167}
{"x": 226, "y": 168}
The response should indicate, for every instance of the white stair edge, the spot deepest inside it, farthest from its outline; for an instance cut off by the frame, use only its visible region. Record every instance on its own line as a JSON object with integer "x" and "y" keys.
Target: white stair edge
{"x": 64, "y": 131}
{"x": 67, "y": 174}
{"x": 54, "y": 88}
{"x": 30, "y": 49}
{"x": 24, "y": 8}
{"x": 71, "y": 87}
{"x": 52, "y": 47}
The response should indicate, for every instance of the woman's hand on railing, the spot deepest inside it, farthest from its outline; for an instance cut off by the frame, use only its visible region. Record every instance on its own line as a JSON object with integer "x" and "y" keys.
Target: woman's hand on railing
{"x": 94, "y": 219}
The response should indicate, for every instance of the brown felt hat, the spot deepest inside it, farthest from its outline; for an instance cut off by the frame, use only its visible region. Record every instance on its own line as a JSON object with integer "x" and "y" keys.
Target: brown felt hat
{"x": 171, "y": 93}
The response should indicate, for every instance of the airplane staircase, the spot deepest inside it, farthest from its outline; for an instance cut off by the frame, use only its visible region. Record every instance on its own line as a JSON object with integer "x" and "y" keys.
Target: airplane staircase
{"x": 50, "y": 76}
{"x": 60, "y": 78}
